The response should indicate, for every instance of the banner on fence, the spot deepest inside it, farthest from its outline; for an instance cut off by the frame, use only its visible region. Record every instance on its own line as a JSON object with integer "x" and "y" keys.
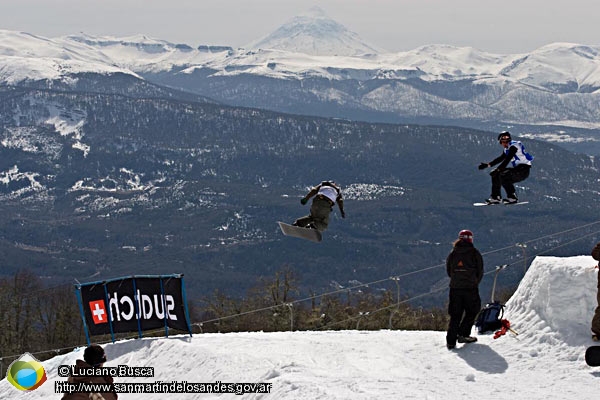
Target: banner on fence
{"x": 136, "y": 303}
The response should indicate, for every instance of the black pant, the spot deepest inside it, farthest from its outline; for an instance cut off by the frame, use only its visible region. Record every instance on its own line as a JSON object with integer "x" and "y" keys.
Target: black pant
{"x": 596, "y": 318}
{"x": 507, "y": 178}
{"x": 463, "y": 307}
{"x": 319, "y": 214}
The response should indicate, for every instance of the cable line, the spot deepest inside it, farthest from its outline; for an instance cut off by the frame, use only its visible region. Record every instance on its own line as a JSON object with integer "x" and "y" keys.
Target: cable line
{"x": 419, "y": 271}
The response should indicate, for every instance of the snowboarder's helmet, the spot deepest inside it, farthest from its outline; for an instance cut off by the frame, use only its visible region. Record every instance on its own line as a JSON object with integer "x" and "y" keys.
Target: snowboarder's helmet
{"x": 466, "y": 235}
{"x": 504, "y": 135}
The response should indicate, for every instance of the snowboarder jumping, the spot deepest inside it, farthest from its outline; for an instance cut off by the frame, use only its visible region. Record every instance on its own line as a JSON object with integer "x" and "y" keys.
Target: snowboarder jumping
{"x": 515, "y": 154}
{"x": 326, "y": 195}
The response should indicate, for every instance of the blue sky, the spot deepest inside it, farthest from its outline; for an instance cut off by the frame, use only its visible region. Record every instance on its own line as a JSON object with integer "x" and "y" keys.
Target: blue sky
{"x": 507, "y": 26}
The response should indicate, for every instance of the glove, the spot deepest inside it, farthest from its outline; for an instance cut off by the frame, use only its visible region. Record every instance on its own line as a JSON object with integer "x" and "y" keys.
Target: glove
{"x": 303, "y": 200}
{"x": 483, "y": 165}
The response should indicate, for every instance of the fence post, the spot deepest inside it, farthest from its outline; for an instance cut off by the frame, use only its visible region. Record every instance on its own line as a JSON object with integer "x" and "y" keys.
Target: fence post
{"x": 396, "y": 279}
{"x": 523, "y": 246}
{"x": 291, "y": 307}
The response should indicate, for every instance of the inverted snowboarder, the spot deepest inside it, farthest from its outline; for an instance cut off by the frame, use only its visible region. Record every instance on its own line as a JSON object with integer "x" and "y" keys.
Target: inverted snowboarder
{"x": 326, "y": 194}
{"x": 504, "y": 177}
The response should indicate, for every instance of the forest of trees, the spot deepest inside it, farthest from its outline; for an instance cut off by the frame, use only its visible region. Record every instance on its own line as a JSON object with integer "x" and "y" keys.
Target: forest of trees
{"x": 170, "y": 186}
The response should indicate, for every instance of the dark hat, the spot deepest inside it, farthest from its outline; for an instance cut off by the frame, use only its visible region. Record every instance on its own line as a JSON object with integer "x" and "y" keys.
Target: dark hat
{"x": 505, "y": 134}
{"x": 94, "y": 355}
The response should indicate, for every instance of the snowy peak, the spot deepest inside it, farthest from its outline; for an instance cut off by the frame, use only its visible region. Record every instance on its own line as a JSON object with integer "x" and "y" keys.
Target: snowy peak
{"x": 139, "y": 42}
{"x": 315, "y": 12}
{"x": 314, "y": 33}
{"x": 446, "y": 62}
{"x": 26, "y": 57}
{"x": 559, "y": 66}
{"x": 26, "y": 45}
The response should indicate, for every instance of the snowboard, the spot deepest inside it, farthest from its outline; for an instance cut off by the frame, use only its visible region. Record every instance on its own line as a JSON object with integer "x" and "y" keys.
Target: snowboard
{"x": 500, "y": 204}
{"x": 303, "y": 233}
{"x": 592, "y": 356}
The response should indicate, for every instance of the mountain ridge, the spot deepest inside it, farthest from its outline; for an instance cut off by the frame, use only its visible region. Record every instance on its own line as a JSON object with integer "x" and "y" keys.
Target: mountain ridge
{"x": 434, "y": 62}
{"x": 552, "y": 93}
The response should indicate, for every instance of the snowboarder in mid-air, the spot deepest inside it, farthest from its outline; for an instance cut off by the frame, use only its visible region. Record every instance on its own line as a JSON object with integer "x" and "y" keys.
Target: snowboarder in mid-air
{"x": 326, "y": 195}
{"x": 515, "y": 154}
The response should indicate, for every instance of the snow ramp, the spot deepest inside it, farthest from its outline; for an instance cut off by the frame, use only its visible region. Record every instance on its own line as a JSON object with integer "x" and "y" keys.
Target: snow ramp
{"x": 553, "y": 306}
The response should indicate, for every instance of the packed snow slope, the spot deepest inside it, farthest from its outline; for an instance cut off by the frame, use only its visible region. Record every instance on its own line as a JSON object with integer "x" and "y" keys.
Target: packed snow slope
{"x": 551, "y": 311}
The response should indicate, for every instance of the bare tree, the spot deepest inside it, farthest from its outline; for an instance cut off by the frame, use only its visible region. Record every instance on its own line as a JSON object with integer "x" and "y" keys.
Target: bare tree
{"x": 59, "y": 317}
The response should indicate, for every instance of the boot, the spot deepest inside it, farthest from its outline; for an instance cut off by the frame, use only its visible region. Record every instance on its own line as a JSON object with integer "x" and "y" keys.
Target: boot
{"x": 494, "y": 200}
{"x": 466, "y": 339}
{"x": 510, "y": 199}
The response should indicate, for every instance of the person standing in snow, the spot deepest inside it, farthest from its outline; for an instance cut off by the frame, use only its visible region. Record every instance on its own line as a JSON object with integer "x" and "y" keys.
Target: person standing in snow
{"x": 326, "y": 194}
{"x": 93, "y": 356}
{"x": 464, "y": 266}
{"x": 515, "y": 154}
{"x": 596, "y": 318}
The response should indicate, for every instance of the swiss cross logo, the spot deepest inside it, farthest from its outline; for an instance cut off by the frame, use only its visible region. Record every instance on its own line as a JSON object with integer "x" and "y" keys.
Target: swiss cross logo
{"x": 98, "y": 312}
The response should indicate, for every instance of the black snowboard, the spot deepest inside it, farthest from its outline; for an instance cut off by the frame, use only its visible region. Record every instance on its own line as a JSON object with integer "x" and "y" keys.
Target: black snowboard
{"x": 303, "y": 233}
{"x": 592, "y": 356}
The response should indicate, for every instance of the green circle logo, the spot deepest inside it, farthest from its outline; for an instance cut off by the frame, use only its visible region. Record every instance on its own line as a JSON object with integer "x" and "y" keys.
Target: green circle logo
{"x": 26, "y": 373}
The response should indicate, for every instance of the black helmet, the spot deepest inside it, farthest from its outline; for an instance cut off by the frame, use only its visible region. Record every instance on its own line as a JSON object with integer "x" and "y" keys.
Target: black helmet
{"x": 504, "y": 135}
{"x": 94, "y": 355}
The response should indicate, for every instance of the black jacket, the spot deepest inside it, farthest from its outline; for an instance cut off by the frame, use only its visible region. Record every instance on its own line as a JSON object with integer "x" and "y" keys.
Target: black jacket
{"x": 464, "y": 266}
{"x": 504, "y": 158}
{"x": 596, "y": 255}
{"x": 596, "y": 252}
{"x": 89, "y": 379}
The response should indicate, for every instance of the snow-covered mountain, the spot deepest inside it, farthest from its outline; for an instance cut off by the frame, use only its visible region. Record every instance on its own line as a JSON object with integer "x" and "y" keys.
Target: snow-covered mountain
{"x": 25, "y": 57}
{"x": 314, "y": 65}
{"x": 142, "y": 53}
{"x": 551, "y": 312}
{"x": 316, "y": 34}
{"x": 558, "y": 67}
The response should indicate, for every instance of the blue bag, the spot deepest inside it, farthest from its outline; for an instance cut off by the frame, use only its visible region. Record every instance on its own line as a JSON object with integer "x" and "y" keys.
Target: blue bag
{"x": 490, "y": 317}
